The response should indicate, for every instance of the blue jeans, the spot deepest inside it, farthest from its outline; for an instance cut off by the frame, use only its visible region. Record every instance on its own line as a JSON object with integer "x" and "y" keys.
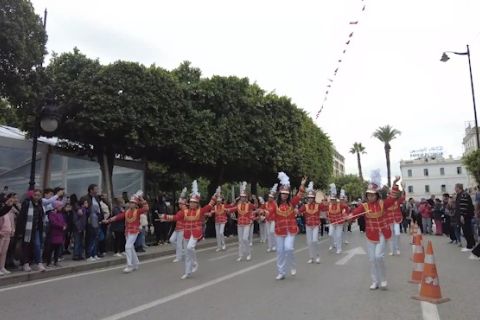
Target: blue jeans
{"x": 78, "y": 244}
{"x": 37, "y": 244}
{"x": 140, "y": 241}
{"x": 93, "y": 241}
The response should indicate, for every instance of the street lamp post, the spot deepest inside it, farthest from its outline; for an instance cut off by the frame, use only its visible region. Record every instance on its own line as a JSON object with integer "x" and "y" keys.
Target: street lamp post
{"x": 445, "y": 58}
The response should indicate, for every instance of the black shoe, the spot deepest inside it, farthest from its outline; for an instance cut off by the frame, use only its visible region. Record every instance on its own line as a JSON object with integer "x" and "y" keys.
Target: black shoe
{"x": 140, "y": 250}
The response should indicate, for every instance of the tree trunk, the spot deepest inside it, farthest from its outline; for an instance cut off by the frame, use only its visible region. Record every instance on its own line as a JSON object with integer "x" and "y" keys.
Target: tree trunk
{"x": 387, "y": 156}
{"x": 106, "y": 158}
{"x": 359, "y": 166}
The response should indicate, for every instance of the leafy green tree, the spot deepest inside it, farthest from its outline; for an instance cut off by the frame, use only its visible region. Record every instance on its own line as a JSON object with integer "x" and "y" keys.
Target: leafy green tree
{"x": 386, "y": 134}
{"x": 472, "y": 162}
{"x": 354, "y": 187}
{"x": 22, "y": 49}
{"x": 358, "y": 149}
{"x": 8, "y": 114}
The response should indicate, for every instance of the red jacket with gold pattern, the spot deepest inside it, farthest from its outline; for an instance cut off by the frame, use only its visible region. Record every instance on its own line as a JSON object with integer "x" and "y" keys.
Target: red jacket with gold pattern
{"x": 375, "y": 218}
{"x": 270, "y": 207}
{"x": 336, "y": 212}
{"x": 132, "y": 219}
{"x": 285, "y": 218}
{"x": 179, "y": 223}
{"x": 311, "y": 213}
{"x": 244, "y": 211}
{"x": 394, "y": 213}
{"x": 220, "y": 213}
{"x": 192, "y": 221}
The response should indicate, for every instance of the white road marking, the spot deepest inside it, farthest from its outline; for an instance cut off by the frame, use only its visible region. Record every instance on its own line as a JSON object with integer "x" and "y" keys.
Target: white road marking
{"x": 350, "y": 254}
{"x": 224, "y": 256}
{"x": 429, "y": 311}
{"x": 81, "y": 274}
{"x": 182, "y": 293}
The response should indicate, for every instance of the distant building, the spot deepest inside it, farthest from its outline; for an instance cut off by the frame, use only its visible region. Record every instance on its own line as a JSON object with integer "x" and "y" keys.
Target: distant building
{"x": 338, "y": 164}
{"x": 432, "y": 176}
{"x": 470, "y": 139}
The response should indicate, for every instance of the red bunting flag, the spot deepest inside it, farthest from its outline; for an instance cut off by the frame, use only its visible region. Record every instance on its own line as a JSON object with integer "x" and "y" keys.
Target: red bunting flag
{"x": 353, "y": 22}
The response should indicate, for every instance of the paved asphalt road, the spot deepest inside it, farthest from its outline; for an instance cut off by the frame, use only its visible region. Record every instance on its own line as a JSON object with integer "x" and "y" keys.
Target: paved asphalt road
{"x": 225, "y": 289}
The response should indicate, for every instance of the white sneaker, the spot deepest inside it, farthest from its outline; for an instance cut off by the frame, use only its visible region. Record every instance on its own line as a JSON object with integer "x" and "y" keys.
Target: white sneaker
{"x": 195, "y": 267}
{"x": 185, "y": 276}
{"x": 274, "y": 249}
{"x": 310, "y": 261}
{"x": 317, "y": 261}
{"x": 239, "y": 259}
{"x": 391, "y": 254}
{"x": 330, "y": 248}
{"x": 280, "y": 277}
{"x": 346, "y": 242}
{"x": 268, "y": 250}
{"x": 251, "y": 244}
{"x": 2, "y": 274}
{"x": 374, "y": 286}
{"x": 41, "y": 267}
{"x": 466, "y": 250}
{"x": 175, "y": 260}
{"x": 471, "y": 257}
{"x": 397, "y": 253}
{"x": 293, "y": 272}
{"x": 26, "y": 267}
{"x": 249, "y": 257}
{"x": 217, "y": 250}
{"x": 91, "y": 259}
{"x": 118, "y": 255}
{"x": 127, "y": 270}
{"x": 339, "y": 251}
{"x": 97, "y": 258}
{"x": 383, "y": 285}
{"x": 224, "y": 247}
{"x": 5, "y": 271}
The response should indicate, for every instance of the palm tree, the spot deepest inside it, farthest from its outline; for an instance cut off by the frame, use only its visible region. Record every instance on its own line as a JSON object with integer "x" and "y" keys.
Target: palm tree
{"x": 358, "y": 148}
{"x": 386, "y": 134}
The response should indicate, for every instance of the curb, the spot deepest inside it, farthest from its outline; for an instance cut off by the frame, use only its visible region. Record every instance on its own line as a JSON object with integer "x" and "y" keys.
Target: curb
{"x": 83, "y": 266}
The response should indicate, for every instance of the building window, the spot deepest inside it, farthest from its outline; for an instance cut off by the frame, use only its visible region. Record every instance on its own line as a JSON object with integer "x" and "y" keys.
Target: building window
{"x": 444, "y": 188}
{"x": 425, "y": 172}
{"x": 409, "y": 172}
{"x": 459, "y": 170}
{"x": 410, "y": 189}
{"x": 427, "y": 188}
{"x": 442, "y": 171}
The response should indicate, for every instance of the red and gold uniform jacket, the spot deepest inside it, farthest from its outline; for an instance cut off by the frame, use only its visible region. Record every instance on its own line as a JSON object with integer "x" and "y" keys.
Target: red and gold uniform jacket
{"x": 375, "y": 218}
{"x": 336, "y": 212}
{"x": 220, "y": 212}
{"x": 193, "y": 220}
{"x": 285, "y": 217}
{"x": 245, "y": 215}
{"x": 132, "y": 219}
{"x": 394, "y": 213}
{"x": 270, "y": 207}
{"x": 311, "y": 213}
{"x": 179, "y": 223}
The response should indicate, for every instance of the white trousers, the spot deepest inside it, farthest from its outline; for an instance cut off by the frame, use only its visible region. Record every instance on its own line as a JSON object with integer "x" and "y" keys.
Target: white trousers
{"x": 250, "y": 234}
{"x": 190, "y": 254}
{"x": 376, "y": 254}
{"x": 395, "y": 241}
{"x": 262, "y": 226}
{"x": 285, "y": 253}
{"x": 312, "y": 242}
{"x": 244, "y": 249}
{"x": 270, "y": 234}
{"x": 335, "y": 231}
{"x": 219, "y": 234}
{"x": 177, "y": 241}
{"x": 132, "y": 259}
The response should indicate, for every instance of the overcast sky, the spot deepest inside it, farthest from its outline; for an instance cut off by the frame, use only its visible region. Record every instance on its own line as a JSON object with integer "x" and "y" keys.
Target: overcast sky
{"x": 390, "y": 74}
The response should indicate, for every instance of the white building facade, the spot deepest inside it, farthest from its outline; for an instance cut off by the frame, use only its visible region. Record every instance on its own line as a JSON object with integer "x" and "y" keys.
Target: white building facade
{"x": 338, "y": 164}
{"x": 432, "y": 176}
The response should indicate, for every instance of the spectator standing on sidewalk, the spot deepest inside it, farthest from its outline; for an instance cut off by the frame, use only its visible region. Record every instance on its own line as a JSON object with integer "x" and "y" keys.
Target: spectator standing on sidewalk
{"x": 80, "y": 224}
{"x": 465, "y": 210}
{"x": 118, "y": 227}
{"x": 425, "y": 211}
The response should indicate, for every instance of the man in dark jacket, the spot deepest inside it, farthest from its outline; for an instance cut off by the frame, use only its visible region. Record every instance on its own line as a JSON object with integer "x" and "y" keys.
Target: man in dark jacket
{"x": 94, "y": 217}
{"x": 465, "y": 210}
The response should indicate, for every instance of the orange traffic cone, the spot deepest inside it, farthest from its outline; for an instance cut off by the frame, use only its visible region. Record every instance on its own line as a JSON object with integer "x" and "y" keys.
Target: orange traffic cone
{"x": 414, "y": 231}
{"x": 430, "y": 286}
{"x": 418, "y": 257}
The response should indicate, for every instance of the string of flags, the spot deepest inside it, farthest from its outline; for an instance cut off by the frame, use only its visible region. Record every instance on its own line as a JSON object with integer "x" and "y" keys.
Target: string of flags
{"x": 331, "y": 80}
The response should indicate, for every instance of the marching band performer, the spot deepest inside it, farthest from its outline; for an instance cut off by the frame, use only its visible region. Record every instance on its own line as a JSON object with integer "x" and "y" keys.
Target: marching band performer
{"x": 245, "y": 215}
{"x": 220, "y": 213}
{"x": 336, "y": 215}
{"x": 136, "y": 207}
{"x": 377, "y": 229}
{"x": 286, "y": 226}
{"x": 262, "y": 225}
{"x": 270, "y": 209}
{"x": 193, "y": 219}
{"x": 311, "y": 213}
{"x": 346, "y": 224}
{"x": 176, "y": 238}
{"x": 395, "y": 217}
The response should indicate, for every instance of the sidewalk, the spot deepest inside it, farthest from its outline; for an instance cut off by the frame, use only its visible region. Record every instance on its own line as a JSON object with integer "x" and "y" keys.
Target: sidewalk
{"x": 69, "y": 266}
